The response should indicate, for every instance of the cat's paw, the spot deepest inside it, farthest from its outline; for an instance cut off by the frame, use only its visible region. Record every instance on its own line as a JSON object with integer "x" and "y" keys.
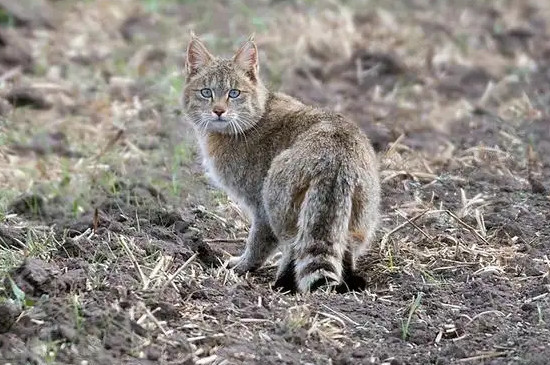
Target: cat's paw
{"x": 240, "y": 264}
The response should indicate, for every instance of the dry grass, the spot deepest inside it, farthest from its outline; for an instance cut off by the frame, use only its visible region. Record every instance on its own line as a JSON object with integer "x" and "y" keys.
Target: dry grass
{"x": 112, "y": 99}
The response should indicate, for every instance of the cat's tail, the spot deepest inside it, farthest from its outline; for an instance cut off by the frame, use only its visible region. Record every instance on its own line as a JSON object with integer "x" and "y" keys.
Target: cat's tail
{"x": 323, "y": 231}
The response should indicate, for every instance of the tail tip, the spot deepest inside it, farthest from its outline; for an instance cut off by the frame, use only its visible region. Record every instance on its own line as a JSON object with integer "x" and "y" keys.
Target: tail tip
{"x": 318, "y": 279}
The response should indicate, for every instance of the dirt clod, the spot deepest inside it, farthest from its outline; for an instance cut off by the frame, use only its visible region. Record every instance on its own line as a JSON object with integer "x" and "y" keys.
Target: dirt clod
{"x": 29, "y": 205}
{"x": 14, "y": 52}
{"x": 34, "y": 12}
{"x": 11, "y": 237}
{"x": 9, "y": 311}
{"x": 21, "y": 96}
{"x": 35, "y": 277}
{"x": 46, "y": 143}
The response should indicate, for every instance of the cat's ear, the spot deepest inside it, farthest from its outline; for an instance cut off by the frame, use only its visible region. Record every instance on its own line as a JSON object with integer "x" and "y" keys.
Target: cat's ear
{"x": 197, "y": 56}
{"x": 246, "y": 58}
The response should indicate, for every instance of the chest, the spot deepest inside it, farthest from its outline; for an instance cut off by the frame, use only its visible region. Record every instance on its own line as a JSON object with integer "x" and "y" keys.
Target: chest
{"x": 233, "y": 168}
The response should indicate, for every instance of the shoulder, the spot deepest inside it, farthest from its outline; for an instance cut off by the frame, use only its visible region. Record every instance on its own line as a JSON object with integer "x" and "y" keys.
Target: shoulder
{"x": 278, "y": 101}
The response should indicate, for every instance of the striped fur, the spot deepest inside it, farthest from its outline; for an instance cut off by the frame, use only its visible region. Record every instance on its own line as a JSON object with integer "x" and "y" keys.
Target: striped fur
{"x": 307, "y": 177}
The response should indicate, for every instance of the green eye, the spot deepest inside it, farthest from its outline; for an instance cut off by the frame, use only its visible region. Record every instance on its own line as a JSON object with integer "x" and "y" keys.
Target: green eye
{"x": 206, "y": 93}
{"x": 234, "y": 93}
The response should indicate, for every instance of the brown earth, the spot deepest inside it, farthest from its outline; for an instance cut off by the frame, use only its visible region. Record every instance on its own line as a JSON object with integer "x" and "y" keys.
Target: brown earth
{"x": 112, "y": 242}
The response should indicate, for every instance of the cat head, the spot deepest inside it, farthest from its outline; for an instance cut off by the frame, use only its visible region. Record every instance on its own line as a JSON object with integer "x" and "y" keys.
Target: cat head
{"x": 223, "y": 95}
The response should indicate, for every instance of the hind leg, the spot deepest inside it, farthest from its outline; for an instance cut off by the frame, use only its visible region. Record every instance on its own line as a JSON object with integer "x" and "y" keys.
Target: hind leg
{"x": 286, "y": 279}
{"x": 361, "y": 231}
{"x": 351, "y": 281}
{"x": 283, "y": 195}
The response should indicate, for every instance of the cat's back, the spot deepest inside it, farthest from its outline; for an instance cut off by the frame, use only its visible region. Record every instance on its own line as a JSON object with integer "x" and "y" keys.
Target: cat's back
{"x": 288, "y": 117}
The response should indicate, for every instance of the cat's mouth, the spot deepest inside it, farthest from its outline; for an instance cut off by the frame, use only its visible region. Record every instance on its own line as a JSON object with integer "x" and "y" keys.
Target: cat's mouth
{"x": 221, "y": 124}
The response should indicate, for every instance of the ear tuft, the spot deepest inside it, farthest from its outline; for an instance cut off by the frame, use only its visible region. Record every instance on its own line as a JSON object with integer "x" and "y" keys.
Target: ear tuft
{"x": 247, "y": 58}
{"x": 197, "y": 55}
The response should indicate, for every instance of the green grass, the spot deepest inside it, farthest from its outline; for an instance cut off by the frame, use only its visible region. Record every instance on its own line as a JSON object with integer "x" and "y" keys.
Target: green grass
{"x": 6, "y": 197}
{"x": 9, "y": 259}
{"x": 18, "y": 294}
{"x": 390, "y": 261}
{"x": 77, "y": 311}
{"x": 38, "y": 243}
{"x": 405, "y": 325}
{"x": 182, "y": 155}
{"x": 6, "y": 19}
{"x": 154, "y": 6}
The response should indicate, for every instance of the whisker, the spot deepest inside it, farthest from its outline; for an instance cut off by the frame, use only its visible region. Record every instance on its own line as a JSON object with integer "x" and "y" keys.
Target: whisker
{"x": 234, "y": 128}
{"x": 249, "y": 123}
{"x": 242, "y": 132}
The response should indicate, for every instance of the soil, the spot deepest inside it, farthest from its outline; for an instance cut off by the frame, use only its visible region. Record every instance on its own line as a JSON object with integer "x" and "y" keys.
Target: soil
{"x": 465, "y": 233}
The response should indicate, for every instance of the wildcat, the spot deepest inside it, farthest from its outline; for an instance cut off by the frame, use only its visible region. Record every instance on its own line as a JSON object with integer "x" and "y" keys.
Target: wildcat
{"x": 308, "y": 178}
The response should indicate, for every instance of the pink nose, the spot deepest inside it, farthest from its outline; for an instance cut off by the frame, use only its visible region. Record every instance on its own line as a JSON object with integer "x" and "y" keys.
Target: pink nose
{"x": 218, "y": 111}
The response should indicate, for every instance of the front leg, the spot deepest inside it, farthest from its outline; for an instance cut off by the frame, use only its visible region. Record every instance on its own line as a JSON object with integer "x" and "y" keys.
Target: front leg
{"x": 260, "y": 244}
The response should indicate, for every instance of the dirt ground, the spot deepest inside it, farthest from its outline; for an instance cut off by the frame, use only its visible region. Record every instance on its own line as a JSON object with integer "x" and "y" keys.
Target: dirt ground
{"x": 112, "y": 240}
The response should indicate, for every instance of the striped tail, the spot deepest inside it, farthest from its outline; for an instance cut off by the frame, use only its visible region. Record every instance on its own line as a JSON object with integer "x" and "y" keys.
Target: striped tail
{"x": 322, "y": 232}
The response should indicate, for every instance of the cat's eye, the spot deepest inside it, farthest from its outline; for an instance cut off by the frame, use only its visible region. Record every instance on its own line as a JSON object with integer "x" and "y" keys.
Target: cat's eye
{"x": 234, "y": 93}
{"x": 206, "y": 93}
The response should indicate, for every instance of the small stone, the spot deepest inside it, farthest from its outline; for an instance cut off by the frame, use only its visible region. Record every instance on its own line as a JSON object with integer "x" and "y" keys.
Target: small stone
{"x": 5, "y": 107}
{"x": 67, "y": 332}
{"x": 153, "y": 353}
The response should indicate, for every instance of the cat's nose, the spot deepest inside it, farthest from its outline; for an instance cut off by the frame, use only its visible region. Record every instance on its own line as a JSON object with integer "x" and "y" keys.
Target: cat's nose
{"x": 218, "y": 110}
